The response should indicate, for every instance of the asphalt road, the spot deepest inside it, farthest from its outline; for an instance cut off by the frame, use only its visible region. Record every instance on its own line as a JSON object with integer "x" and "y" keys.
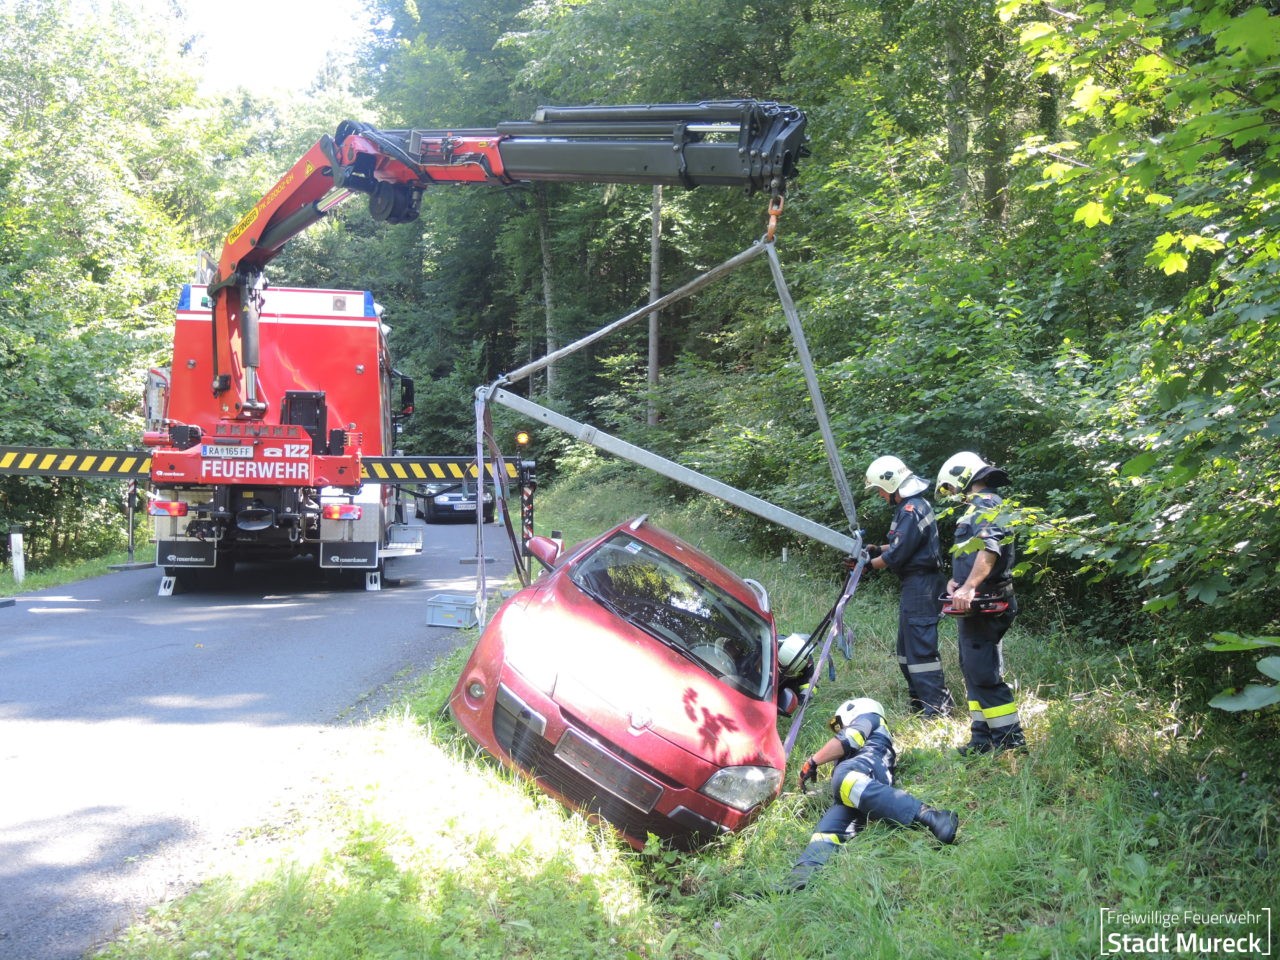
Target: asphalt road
{"x": 138, "y": 733}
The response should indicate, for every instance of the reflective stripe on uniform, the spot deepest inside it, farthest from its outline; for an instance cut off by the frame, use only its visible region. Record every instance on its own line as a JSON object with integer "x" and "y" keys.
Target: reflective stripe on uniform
{"x": 851, "y": 787}
{"x": 925, "y": 667}
{"x": 975, "y": 711}
{"x": 826, "y": 838}
{"x": 1005, "y": 715}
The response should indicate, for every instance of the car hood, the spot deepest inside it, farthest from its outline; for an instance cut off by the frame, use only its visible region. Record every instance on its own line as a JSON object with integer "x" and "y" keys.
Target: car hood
{"x": 623, "y": 683}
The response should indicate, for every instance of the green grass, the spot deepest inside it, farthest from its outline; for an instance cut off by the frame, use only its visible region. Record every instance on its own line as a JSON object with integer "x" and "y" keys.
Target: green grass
{"x": 1127, "y": 799}
{"x": 72, "y": 571}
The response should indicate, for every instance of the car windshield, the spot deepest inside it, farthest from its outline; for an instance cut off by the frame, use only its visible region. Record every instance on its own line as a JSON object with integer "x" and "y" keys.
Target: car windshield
{"x": 667, "y": 600}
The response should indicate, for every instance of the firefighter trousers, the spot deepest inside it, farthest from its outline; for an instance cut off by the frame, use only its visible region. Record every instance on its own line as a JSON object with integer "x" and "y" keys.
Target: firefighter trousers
{"x": 993, "y": 715}
{"x": 862, "y": 789}
{"x": 919, "y": 608}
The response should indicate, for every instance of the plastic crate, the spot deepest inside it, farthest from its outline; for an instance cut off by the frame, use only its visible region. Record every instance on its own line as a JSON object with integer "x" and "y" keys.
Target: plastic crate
{"x": 452, "y": 610}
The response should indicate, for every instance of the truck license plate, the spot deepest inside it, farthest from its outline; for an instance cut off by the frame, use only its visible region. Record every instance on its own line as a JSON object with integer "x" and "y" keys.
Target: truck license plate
{"x": 226, "y": 450}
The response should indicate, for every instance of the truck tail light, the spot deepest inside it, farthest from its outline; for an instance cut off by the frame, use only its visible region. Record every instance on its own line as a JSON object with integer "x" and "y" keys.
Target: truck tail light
{"x": 342, "y": 511}
{"x": 167, "y": 508}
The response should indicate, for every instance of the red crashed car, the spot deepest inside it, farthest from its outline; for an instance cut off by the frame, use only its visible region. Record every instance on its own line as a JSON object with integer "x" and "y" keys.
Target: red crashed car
{"x": 636, "y": 679}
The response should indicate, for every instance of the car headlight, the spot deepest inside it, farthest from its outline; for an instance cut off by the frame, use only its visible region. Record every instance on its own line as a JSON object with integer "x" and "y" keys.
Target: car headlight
{"x": 743, "y": 787}
{"x": 442, "y": 499}
{"x": 525, "y": 653}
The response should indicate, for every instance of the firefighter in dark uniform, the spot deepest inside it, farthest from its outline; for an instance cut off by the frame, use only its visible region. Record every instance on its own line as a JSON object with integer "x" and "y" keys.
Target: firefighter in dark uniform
{"x": 915, "y": 555}
{"x": 980, "y": 595}
{"x": 861, "y": 787}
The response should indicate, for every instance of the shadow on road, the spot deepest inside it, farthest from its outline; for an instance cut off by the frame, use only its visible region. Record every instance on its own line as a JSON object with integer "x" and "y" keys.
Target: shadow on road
{"x": 74, "y": 869}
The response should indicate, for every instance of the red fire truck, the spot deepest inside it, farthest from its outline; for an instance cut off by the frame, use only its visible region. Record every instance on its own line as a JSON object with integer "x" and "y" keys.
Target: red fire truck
{"x": 276, "y": 398}
{"x": 227, "y": 490}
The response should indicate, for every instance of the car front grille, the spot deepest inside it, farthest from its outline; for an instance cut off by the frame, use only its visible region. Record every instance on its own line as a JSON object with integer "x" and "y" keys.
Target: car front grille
{"x": 590, "y": 778}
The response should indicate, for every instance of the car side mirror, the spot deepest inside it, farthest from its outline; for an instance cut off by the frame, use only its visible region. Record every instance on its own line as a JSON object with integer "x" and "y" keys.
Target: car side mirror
{"x": 545, "y": 549}
{"x": 787, "y": 701}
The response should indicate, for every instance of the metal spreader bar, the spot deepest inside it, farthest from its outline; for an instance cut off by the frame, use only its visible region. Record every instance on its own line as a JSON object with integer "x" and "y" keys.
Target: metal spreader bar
{"x": 815, "y": 395}
{"x": 679, "y": 473}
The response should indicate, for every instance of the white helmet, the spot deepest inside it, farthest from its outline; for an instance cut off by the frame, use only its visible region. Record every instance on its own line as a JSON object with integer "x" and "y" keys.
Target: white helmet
{"x": 963, "y": 468}
{"x": 893, "y": 476}
{"x": 792, "y": 653}
{"x": 851, "y": 710}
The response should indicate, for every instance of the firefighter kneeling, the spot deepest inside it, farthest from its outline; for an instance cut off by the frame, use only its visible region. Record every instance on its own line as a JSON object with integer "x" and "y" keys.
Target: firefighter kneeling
{"x": 862, "y": 787}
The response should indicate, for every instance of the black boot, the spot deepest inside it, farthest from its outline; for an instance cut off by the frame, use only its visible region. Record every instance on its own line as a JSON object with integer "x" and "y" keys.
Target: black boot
{"x": 1012, "y": 739}
{"x": 814, "y": 857}
{"x": 941, "y": 823}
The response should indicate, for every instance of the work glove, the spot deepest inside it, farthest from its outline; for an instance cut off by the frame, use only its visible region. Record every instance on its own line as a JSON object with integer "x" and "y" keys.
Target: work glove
{"x": 808, "y": 772}
{"x": 873, "y": 551}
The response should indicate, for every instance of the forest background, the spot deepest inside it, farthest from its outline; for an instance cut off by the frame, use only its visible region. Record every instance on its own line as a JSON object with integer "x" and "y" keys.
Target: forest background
{"x": 1044, "y": 232}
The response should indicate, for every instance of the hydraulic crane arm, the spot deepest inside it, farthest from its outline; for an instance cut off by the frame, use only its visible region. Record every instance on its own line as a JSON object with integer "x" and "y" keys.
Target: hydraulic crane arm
{"x": 749, "y": 144}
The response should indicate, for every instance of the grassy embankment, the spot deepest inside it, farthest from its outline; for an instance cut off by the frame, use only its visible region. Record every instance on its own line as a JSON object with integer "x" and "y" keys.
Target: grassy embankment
{"x": 1127, "y": 799}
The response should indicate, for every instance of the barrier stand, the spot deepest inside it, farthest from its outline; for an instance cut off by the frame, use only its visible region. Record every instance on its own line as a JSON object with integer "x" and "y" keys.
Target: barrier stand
{"x": 131, "y": 500}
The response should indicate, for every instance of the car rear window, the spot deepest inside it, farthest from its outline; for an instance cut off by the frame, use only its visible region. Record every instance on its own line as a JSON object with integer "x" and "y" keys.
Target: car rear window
{"x": 671, "y": 603}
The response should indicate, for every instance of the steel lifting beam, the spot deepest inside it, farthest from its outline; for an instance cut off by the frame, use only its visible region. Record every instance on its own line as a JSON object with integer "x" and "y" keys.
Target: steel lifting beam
{"x": 679, "y": 473}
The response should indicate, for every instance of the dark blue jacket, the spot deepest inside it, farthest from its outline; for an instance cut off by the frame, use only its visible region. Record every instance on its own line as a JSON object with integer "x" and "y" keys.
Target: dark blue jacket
{"x": 981, "y": 523}
{"x": 913, "y": 539}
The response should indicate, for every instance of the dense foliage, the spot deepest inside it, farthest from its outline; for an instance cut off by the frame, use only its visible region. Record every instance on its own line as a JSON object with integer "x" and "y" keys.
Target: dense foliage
{"x": 1046, "y": 232}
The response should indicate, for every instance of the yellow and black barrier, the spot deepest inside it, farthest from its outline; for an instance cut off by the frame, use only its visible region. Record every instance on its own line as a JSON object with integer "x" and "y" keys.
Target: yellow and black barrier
{"x": 88, "y": 464}
{"x": 136, "y": 465}
{"x": 423, "y": 469}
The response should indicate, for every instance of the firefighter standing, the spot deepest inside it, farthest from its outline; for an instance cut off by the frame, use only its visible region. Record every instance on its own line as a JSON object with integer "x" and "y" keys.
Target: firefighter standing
{"x": 981, "y": 595}
{"x": 861, "y": 787}
{"x": 915, "y": 555}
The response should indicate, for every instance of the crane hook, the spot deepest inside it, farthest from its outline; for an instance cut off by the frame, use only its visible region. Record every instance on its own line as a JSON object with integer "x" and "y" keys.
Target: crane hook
{"x": 775, "y": 211}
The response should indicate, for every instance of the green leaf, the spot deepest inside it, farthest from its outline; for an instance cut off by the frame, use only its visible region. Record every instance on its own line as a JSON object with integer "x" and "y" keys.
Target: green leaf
{"x": 1209, "y": 589}
{"x": 1234, "y": 641}
{"x": 1255, "y": 33}
{"x": 1138, "y": 465}
{"x": 1172, "y": 263}
{"x": 1162, "y": 602}
{"x": 1255, "y": 696}
{"x": 1270, "y": 666}
{"x": 1092, "y": 214}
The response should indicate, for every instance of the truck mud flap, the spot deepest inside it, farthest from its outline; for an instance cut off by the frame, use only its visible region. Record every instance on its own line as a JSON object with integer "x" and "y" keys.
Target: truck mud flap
{"x": 337, "y": 555}
{"x": 186, "y": 553}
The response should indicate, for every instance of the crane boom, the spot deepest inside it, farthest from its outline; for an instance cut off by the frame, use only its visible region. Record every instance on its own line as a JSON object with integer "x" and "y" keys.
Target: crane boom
{"x": 750, "y": 144}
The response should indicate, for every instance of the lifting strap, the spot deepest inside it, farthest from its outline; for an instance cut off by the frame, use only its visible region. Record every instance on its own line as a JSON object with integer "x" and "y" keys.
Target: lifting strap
{"x": 833, "y": 626}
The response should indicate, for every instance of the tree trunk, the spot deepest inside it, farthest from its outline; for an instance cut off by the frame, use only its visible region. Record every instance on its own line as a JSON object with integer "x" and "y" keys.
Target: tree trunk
{"x": 995, "y": 147}
{"x": 655, "y": 291}
{"x": 544, "y": 246}
{"x": 955, "y": 94}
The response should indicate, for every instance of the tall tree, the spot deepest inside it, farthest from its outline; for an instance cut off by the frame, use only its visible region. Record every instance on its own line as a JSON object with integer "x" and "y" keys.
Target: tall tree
{"x": 92, "y": 192}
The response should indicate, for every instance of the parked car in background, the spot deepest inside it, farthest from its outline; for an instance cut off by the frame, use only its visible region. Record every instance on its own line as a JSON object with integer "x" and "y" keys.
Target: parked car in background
{"x": 442, "y": 500}
{"x": 636, "y": 680}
